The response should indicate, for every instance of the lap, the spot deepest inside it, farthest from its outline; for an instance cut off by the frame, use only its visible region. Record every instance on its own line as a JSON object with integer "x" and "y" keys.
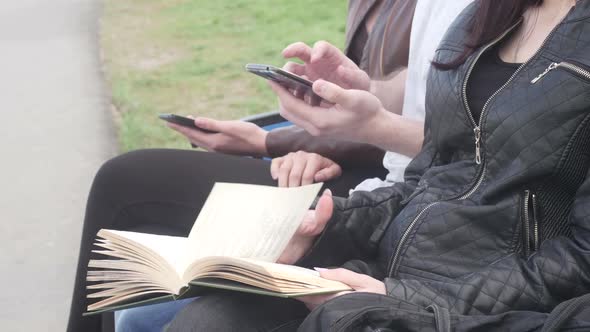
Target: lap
{"x": 231, "y": 311}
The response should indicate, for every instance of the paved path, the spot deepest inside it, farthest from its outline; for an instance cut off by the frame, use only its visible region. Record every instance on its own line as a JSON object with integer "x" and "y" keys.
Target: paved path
{"x": 55, "y": 131}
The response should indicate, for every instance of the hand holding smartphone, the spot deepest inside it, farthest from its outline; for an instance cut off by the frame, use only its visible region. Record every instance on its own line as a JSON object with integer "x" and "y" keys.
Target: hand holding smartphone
{"x": 287, "y": 79}
{"x": 184, "y": 121}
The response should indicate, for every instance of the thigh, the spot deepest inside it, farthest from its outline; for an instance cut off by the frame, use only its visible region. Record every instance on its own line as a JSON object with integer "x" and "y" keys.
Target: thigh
{"x": 233, "y": 311}
{"x": 151, "y": 318}
{"x": 156, "y": 191}
{"x": 162, "y": 189}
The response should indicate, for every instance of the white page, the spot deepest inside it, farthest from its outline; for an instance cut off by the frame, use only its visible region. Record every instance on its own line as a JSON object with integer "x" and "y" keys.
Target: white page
{"x": 170, "y": 248}
{"x": 249, "y": 221}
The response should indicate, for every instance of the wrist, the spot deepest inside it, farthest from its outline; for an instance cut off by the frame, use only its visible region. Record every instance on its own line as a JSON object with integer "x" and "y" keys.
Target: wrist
{"x": 260, "y": 143}
{"x": 373, "y": 132}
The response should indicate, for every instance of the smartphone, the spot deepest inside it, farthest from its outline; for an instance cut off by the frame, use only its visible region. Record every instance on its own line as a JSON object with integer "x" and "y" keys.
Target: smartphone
{"x": 183, "y": 121}
{"x": 286, "y": 79}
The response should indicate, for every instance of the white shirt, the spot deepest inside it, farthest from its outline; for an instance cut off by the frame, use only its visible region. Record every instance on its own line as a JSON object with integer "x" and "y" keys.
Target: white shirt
{"x": 431, "y": 20}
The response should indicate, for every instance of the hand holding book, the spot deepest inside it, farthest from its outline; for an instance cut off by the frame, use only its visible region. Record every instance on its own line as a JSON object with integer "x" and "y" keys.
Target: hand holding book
{"x": 358, "y": 282}
{"x": 241, "y": 231}
{"x": 313, "y": 224}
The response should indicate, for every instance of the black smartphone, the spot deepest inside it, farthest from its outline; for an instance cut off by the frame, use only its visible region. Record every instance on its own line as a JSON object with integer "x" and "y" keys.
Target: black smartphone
{"x": 183, "y": 121}
{"x": 287, "y": 79}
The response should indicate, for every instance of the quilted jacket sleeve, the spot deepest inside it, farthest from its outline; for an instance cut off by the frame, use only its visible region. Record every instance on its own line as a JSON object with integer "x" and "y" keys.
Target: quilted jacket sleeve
{"x": 559, "y": 270}
{"x": 358, "y": 223}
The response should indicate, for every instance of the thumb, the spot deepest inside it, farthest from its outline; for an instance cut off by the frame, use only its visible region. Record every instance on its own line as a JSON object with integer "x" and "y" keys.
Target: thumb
{"x": 210, "y": 124}
{"x": 324, "y": 209}
{"x": 315, "y": 221}
{"x": 334, "y": 93}
{"x": 352, "y": 279}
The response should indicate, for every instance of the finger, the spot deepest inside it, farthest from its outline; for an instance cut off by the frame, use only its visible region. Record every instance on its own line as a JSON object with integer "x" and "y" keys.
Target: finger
{"x": 195, "y": 136}
{"x": 351, "y": 77}
{"x": 297, "y": 171}
{"x": 295, "y": 68}
{"x": 335, "y": 94}
{"x": 181, "y": 129}
{"x": 352, "y": 279}
{"x": 323, "y": 51}
{"x": 274, "y": 167}
{"x": 328, "y": 173}
{"x": 298, "y": 50}
{"x": 296, "y": 110}
{"x": 213, "y": 125}
{"x": 311, "y": 168}
{"x": 284, "y": 171}
{"x": 323, "y": 211}
{"x": 299, "y": 93}
{"x": 311, "y": 225}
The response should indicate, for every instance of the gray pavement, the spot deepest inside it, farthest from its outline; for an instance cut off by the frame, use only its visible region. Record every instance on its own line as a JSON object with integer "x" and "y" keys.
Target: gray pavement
{"x": 55, "y": 131}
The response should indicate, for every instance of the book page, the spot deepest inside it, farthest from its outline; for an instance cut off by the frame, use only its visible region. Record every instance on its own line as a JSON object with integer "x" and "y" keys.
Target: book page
{"x": 249, "y": 221}
{"x": 170, "y": 248}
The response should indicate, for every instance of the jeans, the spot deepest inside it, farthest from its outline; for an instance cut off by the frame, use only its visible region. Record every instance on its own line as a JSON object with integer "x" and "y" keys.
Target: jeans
{"x": 151, "y": 318}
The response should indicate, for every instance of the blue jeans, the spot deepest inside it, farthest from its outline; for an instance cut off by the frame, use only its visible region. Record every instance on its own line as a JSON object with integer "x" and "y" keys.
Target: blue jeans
{"x": 151, "y": 318}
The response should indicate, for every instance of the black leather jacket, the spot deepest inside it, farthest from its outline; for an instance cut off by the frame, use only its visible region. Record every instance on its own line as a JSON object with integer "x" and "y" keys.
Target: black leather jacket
{"x": 510, "y": 230}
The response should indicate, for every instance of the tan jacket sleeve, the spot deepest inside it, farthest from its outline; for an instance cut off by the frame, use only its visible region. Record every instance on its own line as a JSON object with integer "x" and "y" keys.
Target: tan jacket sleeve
{"x": 280, "y": 142}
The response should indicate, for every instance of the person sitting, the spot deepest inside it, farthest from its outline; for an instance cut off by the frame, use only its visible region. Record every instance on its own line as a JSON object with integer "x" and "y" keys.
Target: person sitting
{"x": 493, "y": 214}
{"x": 142, "y": 189}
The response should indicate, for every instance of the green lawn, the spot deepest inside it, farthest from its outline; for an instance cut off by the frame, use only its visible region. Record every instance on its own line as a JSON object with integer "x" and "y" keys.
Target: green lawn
{"x": 188, "y": 57}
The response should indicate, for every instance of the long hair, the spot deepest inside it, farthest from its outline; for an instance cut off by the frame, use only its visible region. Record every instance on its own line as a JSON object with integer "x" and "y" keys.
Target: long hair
{"x": 491, "y": 19}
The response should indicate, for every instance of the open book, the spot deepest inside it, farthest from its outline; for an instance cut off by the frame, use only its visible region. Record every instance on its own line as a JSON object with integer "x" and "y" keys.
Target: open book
{"x": 239, "y": 234}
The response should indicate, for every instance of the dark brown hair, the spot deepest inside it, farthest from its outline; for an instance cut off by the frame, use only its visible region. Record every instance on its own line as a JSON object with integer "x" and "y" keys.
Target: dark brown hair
{"x": 491, "y": 19}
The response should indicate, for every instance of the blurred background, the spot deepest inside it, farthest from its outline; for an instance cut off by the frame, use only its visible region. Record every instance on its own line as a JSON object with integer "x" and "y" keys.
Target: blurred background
{"x": 84, "y": 80}
{"x": 188, "y": 57}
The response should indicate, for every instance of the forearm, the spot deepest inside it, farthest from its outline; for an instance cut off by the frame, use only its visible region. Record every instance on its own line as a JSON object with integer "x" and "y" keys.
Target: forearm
{"x": 392, "y": 132}
{"x": 391, "y": 90}
{"x": 282, "y": 141}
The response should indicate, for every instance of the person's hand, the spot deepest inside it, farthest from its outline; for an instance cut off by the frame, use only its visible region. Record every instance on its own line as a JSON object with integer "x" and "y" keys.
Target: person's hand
{"x": 326, "y": 61}
{"x": 313, "y": 224}
{"x": 354, "y": 115}
{"x": 231, "y": 137}
{"x": 301, "y": 168}
{"x": 358, "y": 282}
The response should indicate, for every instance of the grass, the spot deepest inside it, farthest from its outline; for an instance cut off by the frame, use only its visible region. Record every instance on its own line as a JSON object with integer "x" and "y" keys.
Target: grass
{"x": 188, "y": 57}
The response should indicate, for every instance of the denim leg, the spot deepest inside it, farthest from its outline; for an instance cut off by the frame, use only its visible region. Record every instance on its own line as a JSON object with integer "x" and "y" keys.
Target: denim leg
{"x": 151, "y": 318}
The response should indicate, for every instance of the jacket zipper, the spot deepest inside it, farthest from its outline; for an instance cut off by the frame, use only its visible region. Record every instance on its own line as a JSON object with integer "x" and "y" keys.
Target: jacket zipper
{"x": 526, "y": 225}
{"x": 566, "y": 65}
{"x": 535, "y": 222}
{"x": 394, "y": 262}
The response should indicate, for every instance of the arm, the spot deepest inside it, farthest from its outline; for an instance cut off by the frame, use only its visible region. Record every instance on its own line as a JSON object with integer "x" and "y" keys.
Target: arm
{"x": 558, "y": 271}
{"x": 282, "y": 141}
{"x": 354, "y": 115}
{"x": 391, "y": 90}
